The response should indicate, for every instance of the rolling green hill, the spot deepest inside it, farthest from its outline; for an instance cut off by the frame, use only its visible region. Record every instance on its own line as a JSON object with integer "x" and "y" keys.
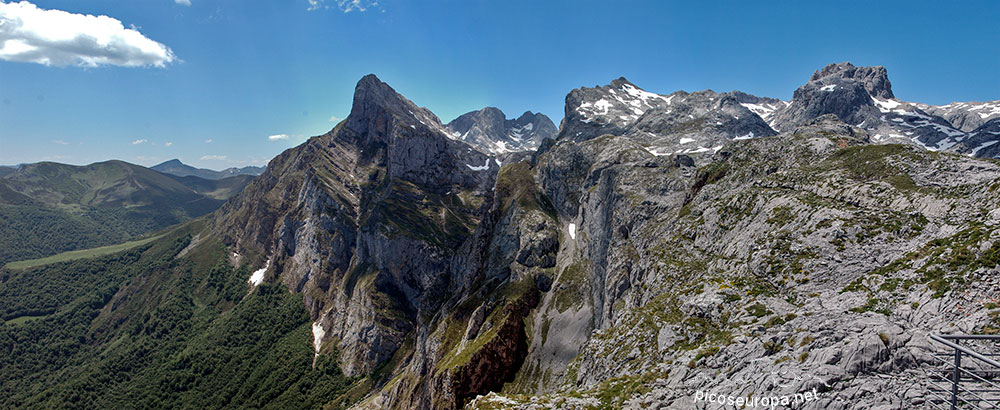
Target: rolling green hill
{"x": 47, "y": 207}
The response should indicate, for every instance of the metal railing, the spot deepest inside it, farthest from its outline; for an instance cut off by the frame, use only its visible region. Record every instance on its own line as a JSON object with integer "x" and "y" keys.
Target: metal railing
{"x": 964, "y": 378}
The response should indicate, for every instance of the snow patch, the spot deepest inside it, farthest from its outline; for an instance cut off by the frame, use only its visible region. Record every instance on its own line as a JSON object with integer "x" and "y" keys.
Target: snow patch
{"x": 501, "y": 147}
{"x": 699, "y": 150}
{"x": 257, "y": 277}
{"x": 572, "y": 231}
{"x": 986, "y": 144}
{"x": 481, "y": 168}
{"x": 656, "y": 151}
{"x": 318, "y": 333}
{"x": 885, "y": 105}
{"x": 599, "y": 107}
{"x": 828, "y": 88}
{"x": 686, "y": 140}
{"x": 643, "y": 95}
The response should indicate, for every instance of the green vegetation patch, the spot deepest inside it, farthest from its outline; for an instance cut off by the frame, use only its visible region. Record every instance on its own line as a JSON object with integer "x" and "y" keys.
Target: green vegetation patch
{"x": 80, "y": 254}
{"x": 875, "y": 163}
{"x": 141, "y": 329}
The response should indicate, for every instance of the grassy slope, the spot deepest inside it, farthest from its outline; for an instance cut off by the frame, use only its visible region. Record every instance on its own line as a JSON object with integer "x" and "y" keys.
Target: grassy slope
{"x": 80, "y": 254}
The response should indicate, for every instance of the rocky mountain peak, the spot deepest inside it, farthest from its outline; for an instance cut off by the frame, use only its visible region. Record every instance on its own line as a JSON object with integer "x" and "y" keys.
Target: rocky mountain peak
{"x": 489, "y": 130}
{"x": 875, "y": 79}
{"x": 609, "y": 109}
{"x": 862, "y": 96}
{"x": 621, "y": 82}
{"x": 378, "y": 107}
{"x": 174, "y": 161}
{"x": 678, "y": 123}
{"x": 528, "y": 116}
{"x": 371, "y": 90}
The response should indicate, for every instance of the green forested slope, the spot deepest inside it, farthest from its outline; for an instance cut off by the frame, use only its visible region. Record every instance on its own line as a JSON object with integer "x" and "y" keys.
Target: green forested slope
{"x": 142, "y": 329}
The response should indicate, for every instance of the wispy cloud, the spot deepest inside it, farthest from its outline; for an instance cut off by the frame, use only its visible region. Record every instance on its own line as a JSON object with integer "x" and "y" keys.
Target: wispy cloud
{"x": 168, "y": 144}
{"x": 346, "y": 6}
{"x": 213, "y": 158}
{"x": 140, "y": 141}
{"x": 60, "y": 142}
{"x": 183, "y": 2}
{"x": 208, "y": 141}
{"x": 277, "y": 137}
{"x": 29, "y": 34}
{"x": 334, "y": 118}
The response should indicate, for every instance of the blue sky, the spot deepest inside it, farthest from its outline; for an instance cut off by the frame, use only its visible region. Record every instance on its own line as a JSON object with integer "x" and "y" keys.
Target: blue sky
{"x": 224, "y": 75}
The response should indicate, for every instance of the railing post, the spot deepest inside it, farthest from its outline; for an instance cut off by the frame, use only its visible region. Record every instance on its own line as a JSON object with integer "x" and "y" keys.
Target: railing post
{"x": 955, "y": 379}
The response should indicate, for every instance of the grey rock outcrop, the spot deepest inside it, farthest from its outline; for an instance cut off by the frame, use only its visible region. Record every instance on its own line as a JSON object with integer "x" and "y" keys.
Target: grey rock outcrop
{"x": 863, "y": 96}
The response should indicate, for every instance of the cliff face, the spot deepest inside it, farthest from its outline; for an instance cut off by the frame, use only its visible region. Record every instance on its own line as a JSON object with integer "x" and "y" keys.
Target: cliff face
{"x": 812, "y": 259}
{"x": 618, "y": 267}
{"x": 363, "y": 221}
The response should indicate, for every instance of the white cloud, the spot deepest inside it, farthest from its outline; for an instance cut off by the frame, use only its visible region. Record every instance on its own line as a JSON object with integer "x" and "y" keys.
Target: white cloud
{"x": 346, "y": 6}
{"x": 213, "y": 158}
{"x": 140, "y": 141}
{"x": 334, "y": 118}
{"x": 277, "y": 137}
{"x": 60, "y": 142}
{"x": 29, "y": 34}
{"x": 183, "y": 2}
{"x": 208, "y": 141}
{"x": 168, "y": 144}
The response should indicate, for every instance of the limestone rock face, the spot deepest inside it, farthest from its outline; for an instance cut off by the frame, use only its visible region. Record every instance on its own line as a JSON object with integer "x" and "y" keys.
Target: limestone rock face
{"x": 786, "y": 264}
{"x": 659, "y": 246}
{"x": 362, "y": 221}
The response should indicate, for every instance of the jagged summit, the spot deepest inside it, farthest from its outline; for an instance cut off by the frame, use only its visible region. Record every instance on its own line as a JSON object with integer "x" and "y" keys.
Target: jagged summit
{"x": 679, "y": 123}
{"x": 489, "y": 130}
{"x": 874, "y": 79}
{"x": 378, "y": 106}
{"x": 862, "y": 96}
{"x": 699, "y": 122}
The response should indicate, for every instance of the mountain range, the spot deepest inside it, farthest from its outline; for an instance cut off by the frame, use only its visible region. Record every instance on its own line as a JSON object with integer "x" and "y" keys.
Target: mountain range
{"x": 49, "y": 207}
{"x": 652, "y": 247}
{"x": 178, "y": 168}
